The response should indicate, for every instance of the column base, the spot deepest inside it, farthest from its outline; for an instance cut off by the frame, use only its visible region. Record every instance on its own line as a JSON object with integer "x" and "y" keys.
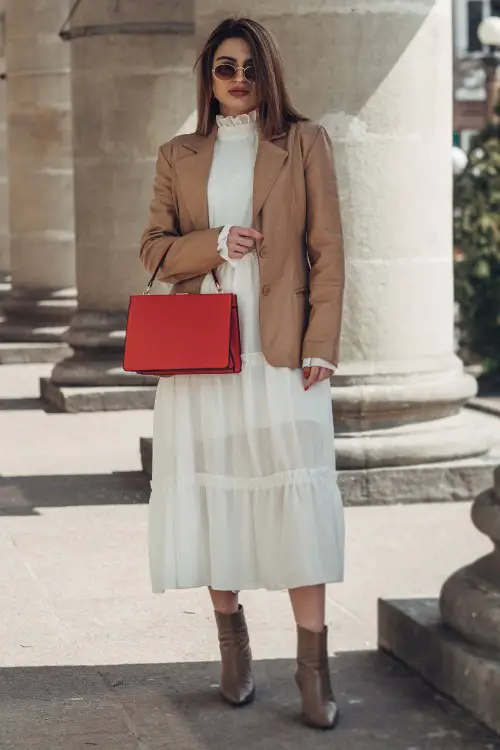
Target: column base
{"x": 38, "y": 315}
{"x": 5, "y": 285}
{"x": 29, "y": 332}
{"x": 452, "y": 481}
{"x": 460, "y": 436}
{"x": 146, "y": 451}
{"x": 18, "y": 353}
{"x": 486, "y": 405}
{"x": 92, "y": 378}
{"x": 74, "y": 399}
{"x": 412, "y": 631}
{"x": 91, "y": 368}
{"x": 394, "y": 417}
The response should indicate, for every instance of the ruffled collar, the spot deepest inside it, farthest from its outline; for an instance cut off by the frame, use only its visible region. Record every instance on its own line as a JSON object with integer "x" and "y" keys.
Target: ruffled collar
{"x": 234, "y": 122}
{"x": 241, "y": 126}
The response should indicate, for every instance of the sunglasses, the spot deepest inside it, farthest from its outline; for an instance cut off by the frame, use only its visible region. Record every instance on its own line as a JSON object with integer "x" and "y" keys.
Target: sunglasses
{"x": 228, "y": 72}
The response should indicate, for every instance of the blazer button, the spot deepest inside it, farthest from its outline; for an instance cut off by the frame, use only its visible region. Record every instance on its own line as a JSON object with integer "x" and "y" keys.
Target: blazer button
{"x": 263, "y": 253}
{"x": 266, "y": 291}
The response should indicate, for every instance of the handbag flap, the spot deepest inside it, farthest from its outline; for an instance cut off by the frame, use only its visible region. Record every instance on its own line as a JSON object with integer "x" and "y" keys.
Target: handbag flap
{"x": 178, "y": 332}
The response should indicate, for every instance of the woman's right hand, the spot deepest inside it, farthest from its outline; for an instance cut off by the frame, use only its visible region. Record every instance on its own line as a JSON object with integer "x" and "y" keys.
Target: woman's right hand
{"x": 241, "y": 240}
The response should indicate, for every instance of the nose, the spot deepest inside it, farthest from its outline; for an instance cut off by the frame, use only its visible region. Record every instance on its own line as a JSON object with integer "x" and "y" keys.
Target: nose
{"x": 240, "y": 76}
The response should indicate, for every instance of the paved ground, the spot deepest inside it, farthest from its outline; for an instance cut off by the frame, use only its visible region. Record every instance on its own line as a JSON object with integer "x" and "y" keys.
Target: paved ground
{"x": 89, "y": 658}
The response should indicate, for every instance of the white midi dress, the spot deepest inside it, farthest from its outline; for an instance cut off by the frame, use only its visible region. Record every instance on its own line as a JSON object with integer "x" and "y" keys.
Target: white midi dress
{"x": 244, "y": 486}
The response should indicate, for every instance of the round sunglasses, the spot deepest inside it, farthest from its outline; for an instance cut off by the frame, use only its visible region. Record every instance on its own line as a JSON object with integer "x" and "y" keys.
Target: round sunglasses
{"x": 228, "y": 72}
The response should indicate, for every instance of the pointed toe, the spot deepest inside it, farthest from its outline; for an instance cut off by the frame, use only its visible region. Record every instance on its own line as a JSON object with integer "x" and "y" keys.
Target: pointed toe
{"x": 240, "y": 697}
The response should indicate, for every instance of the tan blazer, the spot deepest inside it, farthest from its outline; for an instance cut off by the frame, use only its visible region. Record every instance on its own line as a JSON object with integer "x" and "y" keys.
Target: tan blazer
{"x": 295, "y": 207}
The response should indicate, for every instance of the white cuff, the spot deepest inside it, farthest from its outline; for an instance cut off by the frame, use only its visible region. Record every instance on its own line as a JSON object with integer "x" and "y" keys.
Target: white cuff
{"x": 317, "y": 362}
{"x": 222, "y": 247}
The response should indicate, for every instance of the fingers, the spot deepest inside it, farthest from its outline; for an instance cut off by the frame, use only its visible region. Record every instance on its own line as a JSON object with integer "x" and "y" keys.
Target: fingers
{"x": 325, "y": 374}
{"x": 236, "y": 253}
{"x": 311, "y": 376}
{"x": 245, "y": 234}
{"x": 244, "y": 242}
{"x": 236, "y": 250}
{"x": 314, "y": 375}
{"x": 253, "y": 234}
{"x": 241, "y": 240}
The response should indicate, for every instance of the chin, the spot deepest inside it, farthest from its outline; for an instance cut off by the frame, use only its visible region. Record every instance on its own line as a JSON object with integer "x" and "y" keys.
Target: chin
{"x": 237, "y": 107}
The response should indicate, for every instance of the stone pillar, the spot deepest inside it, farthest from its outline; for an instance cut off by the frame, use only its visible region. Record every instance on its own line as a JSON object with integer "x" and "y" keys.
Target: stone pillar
{"x": 4, "y": 218}
{"x": 42, "y": 299}
{"x": 131, "y": 92}
{"x": 378, "y": 75}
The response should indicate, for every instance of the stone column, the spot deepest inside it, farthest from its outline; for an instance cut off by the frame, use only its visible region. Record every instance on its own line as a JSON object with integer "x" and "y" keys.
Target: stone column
{"x": 42, "y": 299}
{"x": 377, "y": 74}
{"x": 4, "y": 218}
{"x": 131, "y": 92}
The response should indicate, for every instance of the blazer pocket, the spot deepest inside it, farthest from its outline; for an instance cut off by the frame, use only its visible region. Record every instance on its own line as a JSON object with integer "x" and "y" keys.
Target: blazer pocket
{"x": 302, "y": 309}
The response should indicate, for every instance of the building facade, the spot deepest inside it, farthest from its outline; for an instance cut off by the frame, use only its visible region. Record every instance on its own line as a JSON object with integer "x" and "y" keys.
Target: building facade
{"x": 469, "y": 110}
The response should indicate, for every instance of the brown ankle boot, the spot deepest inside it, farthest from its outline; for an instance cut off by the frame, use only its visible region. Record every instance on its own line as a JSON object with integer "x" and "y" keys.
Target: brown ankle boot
{"x": 319, "y": 709}
{"x": 236, "y": 683}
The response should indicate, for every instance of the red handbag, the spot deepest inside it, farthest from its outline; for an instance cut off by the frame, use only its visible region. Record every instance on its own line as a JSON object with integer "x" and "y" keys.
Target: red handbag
{"x": 182, "y": 334}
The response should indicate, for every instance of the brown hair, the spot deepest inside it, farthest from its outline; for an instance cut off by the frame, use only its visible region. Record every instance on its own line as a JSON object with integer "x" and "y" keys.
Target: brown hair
{"x": 276, "y": 110}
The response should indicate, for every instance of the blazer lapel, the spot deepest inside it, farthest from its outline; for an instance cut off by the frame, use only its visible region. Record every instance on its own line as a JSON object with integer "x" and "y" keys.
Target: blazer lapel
{"x": 192, "y": 178}
{"x": 193, "y": 172}
{"x": 270, "y": 159}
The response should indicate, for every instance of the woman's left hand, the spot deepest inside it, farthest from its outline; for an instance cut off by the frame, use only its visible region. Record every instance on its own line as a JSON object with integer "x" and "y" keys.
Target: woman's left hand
{"x": 314, "y": 375}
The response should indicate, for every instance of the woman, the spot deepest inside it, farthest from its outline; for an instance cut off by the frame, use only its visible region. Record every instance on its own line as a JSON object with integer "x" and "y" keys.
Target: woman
{"x": 244, "y": 489}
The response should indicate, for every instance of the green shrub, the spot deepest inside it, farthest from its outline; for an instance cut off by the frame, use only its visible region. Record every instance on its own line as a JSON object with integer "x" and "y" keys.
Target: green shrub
{"x": 476, "y": 223}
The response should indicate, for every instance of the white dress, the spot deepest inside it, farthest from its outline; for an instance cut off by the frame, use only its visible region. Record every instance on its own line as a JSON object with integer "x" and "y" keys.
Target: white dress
{"x": 244, "y": 487}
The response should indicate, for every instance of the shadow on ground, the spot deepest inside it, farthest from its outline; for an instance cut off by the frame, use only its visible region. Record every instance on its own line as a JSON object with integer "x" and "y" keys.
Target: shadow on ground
{"x": 22, "y": 495}
{"x": 176, "y": 706}
{"x": 21, "y": 404}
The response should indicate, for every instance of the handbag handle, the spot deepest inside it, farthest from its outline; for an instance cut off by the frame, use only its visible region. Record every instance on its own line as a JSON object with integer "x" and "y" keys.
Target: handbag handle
{"x": 152, "y": 280}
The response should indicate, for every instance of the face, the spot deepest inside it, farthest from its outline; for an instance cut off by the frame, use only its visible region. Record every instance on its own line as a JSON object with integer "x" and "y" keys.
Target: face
{"x": 236, "y": 96}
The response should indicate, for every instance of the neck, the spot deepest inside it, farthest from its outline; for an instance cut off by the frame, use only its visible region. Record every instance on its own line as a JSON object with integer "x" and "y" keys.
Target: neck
{"x": 227, "y": 112}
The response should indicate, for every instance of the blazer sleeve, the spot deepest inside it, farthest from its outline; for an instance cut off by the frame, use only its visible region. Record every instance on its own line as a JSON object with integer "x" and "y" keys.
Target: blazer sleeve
{"x": 189, "y": 255}
{"x": 325, "y": 251}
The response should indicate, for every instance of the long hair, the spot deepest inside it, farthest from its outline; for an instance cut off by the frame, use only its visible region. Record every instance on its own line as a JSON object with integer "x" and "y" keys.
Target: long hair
{"x": 276, "y": 110}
